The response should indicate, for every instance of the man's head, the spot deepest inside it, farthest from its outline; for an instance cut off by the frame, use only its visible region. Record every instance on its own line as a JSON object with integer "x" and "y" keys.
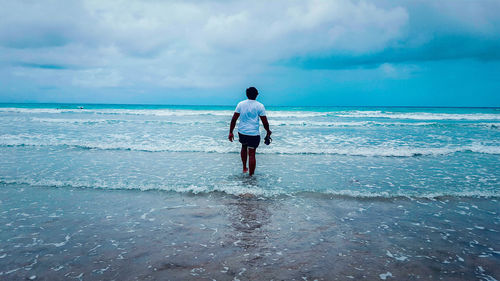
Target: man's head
{"x": 252, "y": 93}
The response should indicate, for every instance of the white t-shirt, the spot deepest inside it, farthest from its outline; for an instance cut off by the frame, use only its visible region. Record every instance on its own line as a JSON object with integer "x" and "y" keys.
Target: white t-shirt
{"x": 249, "y": 111}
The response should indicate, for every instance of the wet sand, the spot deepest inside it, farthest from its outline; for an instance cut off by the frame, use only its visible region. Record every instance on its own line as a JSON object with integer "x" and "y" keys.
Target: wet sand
{"x": 51, "y": 233}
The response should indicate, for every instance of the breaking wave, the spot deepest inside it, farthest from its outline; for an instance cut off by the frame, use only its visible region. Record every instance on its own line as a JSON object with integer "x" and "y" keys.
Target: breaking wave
{"x": 214, "y": 146}
{"x": 272, "y": 114}
{"x": 240, "y": 189}
{"x": 419, "y": 115}
{"x": 276, "y": 122}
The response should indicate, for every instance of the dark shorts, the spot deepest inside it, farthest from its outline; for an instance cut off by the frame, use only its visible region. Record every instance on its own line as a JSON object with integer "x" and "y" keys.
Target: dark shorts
{"x": 250, "y": 141}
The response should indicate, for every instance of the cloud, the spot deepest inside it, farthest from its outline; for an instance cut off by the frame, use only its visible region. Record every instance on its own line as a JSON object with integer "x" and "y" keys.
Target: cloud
{"x": 97, "y": 78}
{"x": 436, "y": 31}
{"x": 186, "y": 44}
{"x": 41, "y": 24}
{"x": 438, "y": 49}
{"x": 175, "y": 46}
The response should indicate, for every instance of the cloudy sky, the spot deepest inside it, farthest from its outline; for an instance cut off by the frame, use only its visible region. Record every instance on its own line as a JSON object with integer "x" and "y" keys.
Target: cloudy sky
{"x": 308, "y": 52}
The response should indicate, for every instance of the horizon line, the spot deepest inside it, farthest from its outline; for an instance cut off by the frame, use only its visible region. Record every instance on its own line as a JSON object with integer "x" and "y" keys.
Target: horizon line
{"x": 268, "y": 105}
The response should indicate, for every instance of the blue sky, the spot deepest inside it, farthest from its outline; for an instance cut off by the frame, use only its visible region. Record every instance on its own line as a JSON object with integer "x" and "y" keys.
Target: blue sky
{"x": 310, "y": 52}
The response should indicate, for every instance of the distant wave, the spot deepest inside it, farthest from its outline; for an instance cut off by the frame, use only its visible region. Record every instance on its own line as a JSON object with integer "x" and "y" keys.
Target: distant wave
{"x": 271, "y": 113}
{"x": 278, "y": 122}
{"x": 116, "y": 121}
{"x": 153, "y": 112}
{"x": 196, "y": 122}
{"x": 235, "y": 189}
{"x": 313, "y": 123}
{"x": 158, "y": 112}
{"x": 201, "y": 146}
{"x": 419, "y": 115}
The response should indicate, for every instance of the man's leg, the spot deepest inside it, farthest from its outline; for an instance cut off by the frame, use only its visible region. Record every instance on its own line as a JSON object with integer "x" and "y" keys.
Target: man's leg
{"x": 251, "y": 160}
{"x": 244, "y": 157}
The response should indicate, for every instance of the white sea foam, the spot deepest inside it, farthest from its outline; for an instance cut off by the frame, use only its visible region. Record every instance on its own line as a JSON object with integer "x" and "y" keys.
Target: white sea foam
{"x": 271, "y": 113}
{"x": 419, "y": 115}
{"x": 35, "y": 110}
{"x": 152, "y": 112}
{"x": 238, "y": 189}
{"x": 117, "y": 143}
{"x": 161, "y": 112}
{"x": 75, "y": 120}
{"x": 277, "y": 118}
{"x": 292, "y": 123}
{"x": 384, "y": 276}
{"x": 313, "y": 123}
{"x": 221, "y": 122}
{"x": 318, "y": 123}
{"x": 278, "y": 122}
{"x": 212, "y": 145}
{"x": 114, "y": 121}
{"x": 158, "y": 112}
{"x": 491, "y": 125}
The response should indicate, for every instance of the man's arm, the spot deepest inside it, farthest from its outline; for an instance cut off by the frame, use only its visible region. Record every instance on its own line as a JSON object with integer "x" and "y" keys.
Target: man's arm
{"x": 266, "y": 125}
{"x": 236, "y": 115}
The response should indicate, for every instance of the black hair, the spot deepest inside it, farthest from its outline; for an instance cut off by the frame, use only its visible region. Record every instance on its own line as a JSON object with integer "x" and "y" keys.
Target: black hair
{"x": 252, "y": 93}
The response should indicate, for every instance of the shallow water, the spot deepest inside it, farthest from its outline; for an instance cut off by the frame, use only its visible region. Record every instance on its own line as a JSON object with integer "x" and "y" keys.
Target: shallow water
{"x": 374, "y": 152}
{"x": 156, "y": 192}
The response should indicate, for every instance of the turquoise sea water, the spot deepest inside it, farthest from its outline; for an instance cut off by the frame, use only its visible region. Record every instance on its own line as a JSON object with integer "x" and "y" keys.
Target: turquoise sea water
{"x": 341, "y": 193}
{"x": 348, "y": 151}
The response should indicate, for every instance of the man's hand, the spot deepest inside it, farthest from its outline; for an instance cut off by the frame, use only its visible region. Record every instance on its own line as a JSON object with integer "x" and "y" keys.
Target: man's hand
{"x": 266, "y": 125}
{"x": 268, "y": 133}
{"x": 233, "y": 124}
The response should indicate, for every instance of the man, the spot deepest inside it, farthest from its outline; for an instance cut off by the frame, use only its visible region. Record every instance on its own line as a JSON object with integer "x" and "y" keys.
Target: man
{"x": 248, "y": 129}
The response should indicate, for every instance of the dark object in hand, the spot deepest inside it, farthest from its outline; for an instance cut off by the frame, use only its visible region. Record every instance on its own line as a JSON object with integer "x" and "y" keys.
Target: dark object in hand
{"x": 268, "y": 140}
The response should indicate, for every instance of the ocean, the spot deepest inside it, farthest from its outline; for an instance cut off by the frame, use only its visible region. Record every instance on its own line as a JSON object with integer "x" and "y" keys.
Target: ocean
{"x": 359, "y": 152}
{"x": 371, "y": 189}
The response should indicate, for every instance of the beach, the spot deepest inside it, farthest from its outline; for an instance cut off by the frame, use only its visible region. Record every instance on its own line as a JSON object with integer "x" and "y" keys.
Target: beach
{"x": 132, "y": 192}
{"x": 87, "y": 234}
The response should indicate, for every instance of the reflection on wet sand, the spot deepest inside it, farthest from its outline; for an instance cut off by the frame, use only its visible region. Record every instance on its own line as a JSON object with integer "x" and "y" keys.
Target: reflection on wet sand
{"x": 248, "y": 221}
{"x": 248, "y": 217}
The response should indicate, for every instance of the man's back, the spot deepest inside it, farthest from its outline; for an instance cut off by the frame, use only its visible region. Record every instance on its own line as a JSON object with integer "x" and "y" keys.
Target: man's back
{"x": 250, "y": 111}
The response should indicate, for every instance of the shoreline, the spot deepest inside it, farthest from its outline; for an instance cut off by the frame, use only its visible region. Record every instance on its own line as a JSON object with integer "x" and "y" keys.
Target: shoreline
{"x": 87, "y": 234}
